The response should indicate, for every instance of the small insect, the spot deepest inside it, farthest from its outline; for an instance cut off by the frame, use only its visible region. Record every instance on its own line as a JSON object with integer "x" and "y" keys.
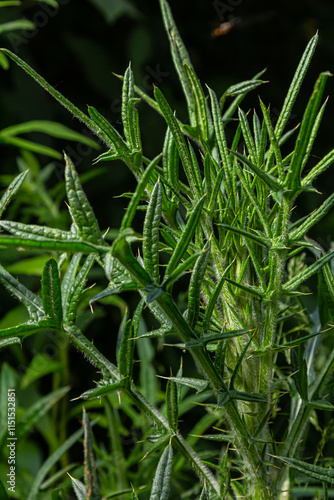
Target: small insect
{"x": 226, "y": 27}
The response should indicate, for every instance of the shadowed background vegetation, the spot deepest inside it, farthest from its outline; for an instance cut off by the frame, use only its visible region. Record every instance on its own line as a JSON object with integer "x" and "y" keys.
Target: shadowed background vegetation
{"x": 79, "y": 48}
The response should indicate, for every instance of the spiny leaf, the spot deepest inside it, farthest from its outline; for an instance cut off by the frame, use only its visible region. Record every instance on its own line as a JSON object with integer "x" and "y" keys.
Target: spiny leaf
{"x": 247, "y": 234}
{"x": 200, "y": 107}
{"x": 195, "y": 383}
{"x": 243, "y": 87}
{"x": 141, "y": 186}
{"x": 319, "y": 473}
{"x": 172, "y": 404}
{"x": 114, "y": 139}
{"x": 307, "y": 273}
{"x": 293, "y": 178}
{"x": 312, "y": 219}
{"x": 180, "y": 141}
{"x": 91, "y": 473}
{"x": 73, "y": 285}
{"x": 80, "y": 208}
{"x": 48, "y": 244}
{"x": 221, "y": 140}
{"x": 194, "y": 293}
{"x": 161, "y": 482}
{"x": 125, "y": 355}
{"x": 271, "y": 182}
{"x": 170, "y": 159}
{"x": 186, "y": 237}
{"x": 51, "y": 292}
{"x": 179, "y": 54}
{"x": 11, "y": 190}
{"x": 37, "y": 233}
{"x": 32, "y": 302}
{"x": 79, "y": 488}
{"x": 206, "y": 339}
{"x": 295, "y": 86}
{"x": 151, "y": 233}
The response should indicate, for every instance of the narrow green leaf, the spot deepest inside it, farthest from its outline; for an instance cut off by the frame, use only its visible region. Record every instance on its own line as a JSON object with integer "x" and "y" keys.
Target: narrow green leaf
{"x": 274, "y": 143}
{"x": 299, "y": 373}
{"x": 151, "y": 233}
{"x": 38, "y": 410}
{"x": 40, "y": 365}
{"x": 247, "y": 234}
{"x": 25, "y": 329}
{"x": 7, "y": 342}
{"x": 179, "y": 139}
{"x": 32, "y": 302}
{"x": 293, "y": 178}
{"x": 20, "y": 143}
{"x": 221, "y": 140}
{"x": 312, "y": 219}
{"x": 51, "y": 292}
{"x": 80, "y": 208}
{"x": 271, "y": 182}
{"x": 102, "y": 390}
{"x": 125, "y": 355}
{"x": 295, "y": 86}
{"x": 183, "y": 267}
{"x": 238, "y": 99}
{"x": 200, "y": 107}
{"x": 91, "y": 473}
{"x": 326, "y": 295}
{"x": 194, "y": 383}
{"x": 172, "y": 404}
{"x": 73, "y": 286}
{"x": 179, "y": 54}
{"x": 252, "y": 397}
{"x": 47, "y": 244}
{"x": 310, "y": 470}
{"x": 137, "y": 196}
{"x": 18, "y": 24}
{"x": 246, "y": 132}
{"x": 36, "y": 233}
{"x": 170, "y": 159}
{"x": 319, "y": 168}
{"x": 53, "y": 129}
{"x": 243, "y": 87}
{"x": 186, "y": 237}
{"x": 50, "y": 462}
{"x": 307, "y": 273}
{"x": 206, "y": 339}
{"x": 314, "y": 132}
{"x": 194, "y": 292}
{"x": 11, "y": 190}
{"x": 162, "y": 478}
{"x": 246, "y": 288}
{"x": 79, "y": 488}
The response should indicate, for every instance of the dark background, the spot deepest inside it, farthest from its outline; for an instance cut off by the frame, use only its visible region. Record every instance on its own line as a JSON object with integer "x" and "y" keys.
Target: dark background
{"x": 79, "y": 48}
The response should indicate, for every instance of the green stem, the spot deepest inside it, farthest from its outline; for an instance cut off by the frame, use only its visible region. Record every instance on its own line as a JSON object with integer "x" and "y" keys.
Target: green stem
{"x": 258, "y": 480}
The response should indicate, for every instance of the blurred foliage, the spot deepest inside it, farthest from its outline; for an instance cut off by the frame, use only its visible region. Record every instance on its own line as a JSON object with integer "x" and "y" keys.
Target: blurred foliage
{"x": 87, "y": 41}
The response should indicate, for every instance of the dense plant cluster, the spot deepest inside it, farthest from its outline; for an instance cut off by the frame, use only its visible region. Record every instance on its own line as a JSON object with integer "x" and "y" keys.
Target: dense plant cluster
{"x": 218, "y": 207}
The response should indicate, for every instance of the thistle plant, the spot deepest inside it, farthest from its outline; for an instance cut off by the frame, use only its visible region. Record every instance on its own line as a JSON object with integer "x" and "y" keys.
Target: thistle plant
{"x": 219, "y": 209}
